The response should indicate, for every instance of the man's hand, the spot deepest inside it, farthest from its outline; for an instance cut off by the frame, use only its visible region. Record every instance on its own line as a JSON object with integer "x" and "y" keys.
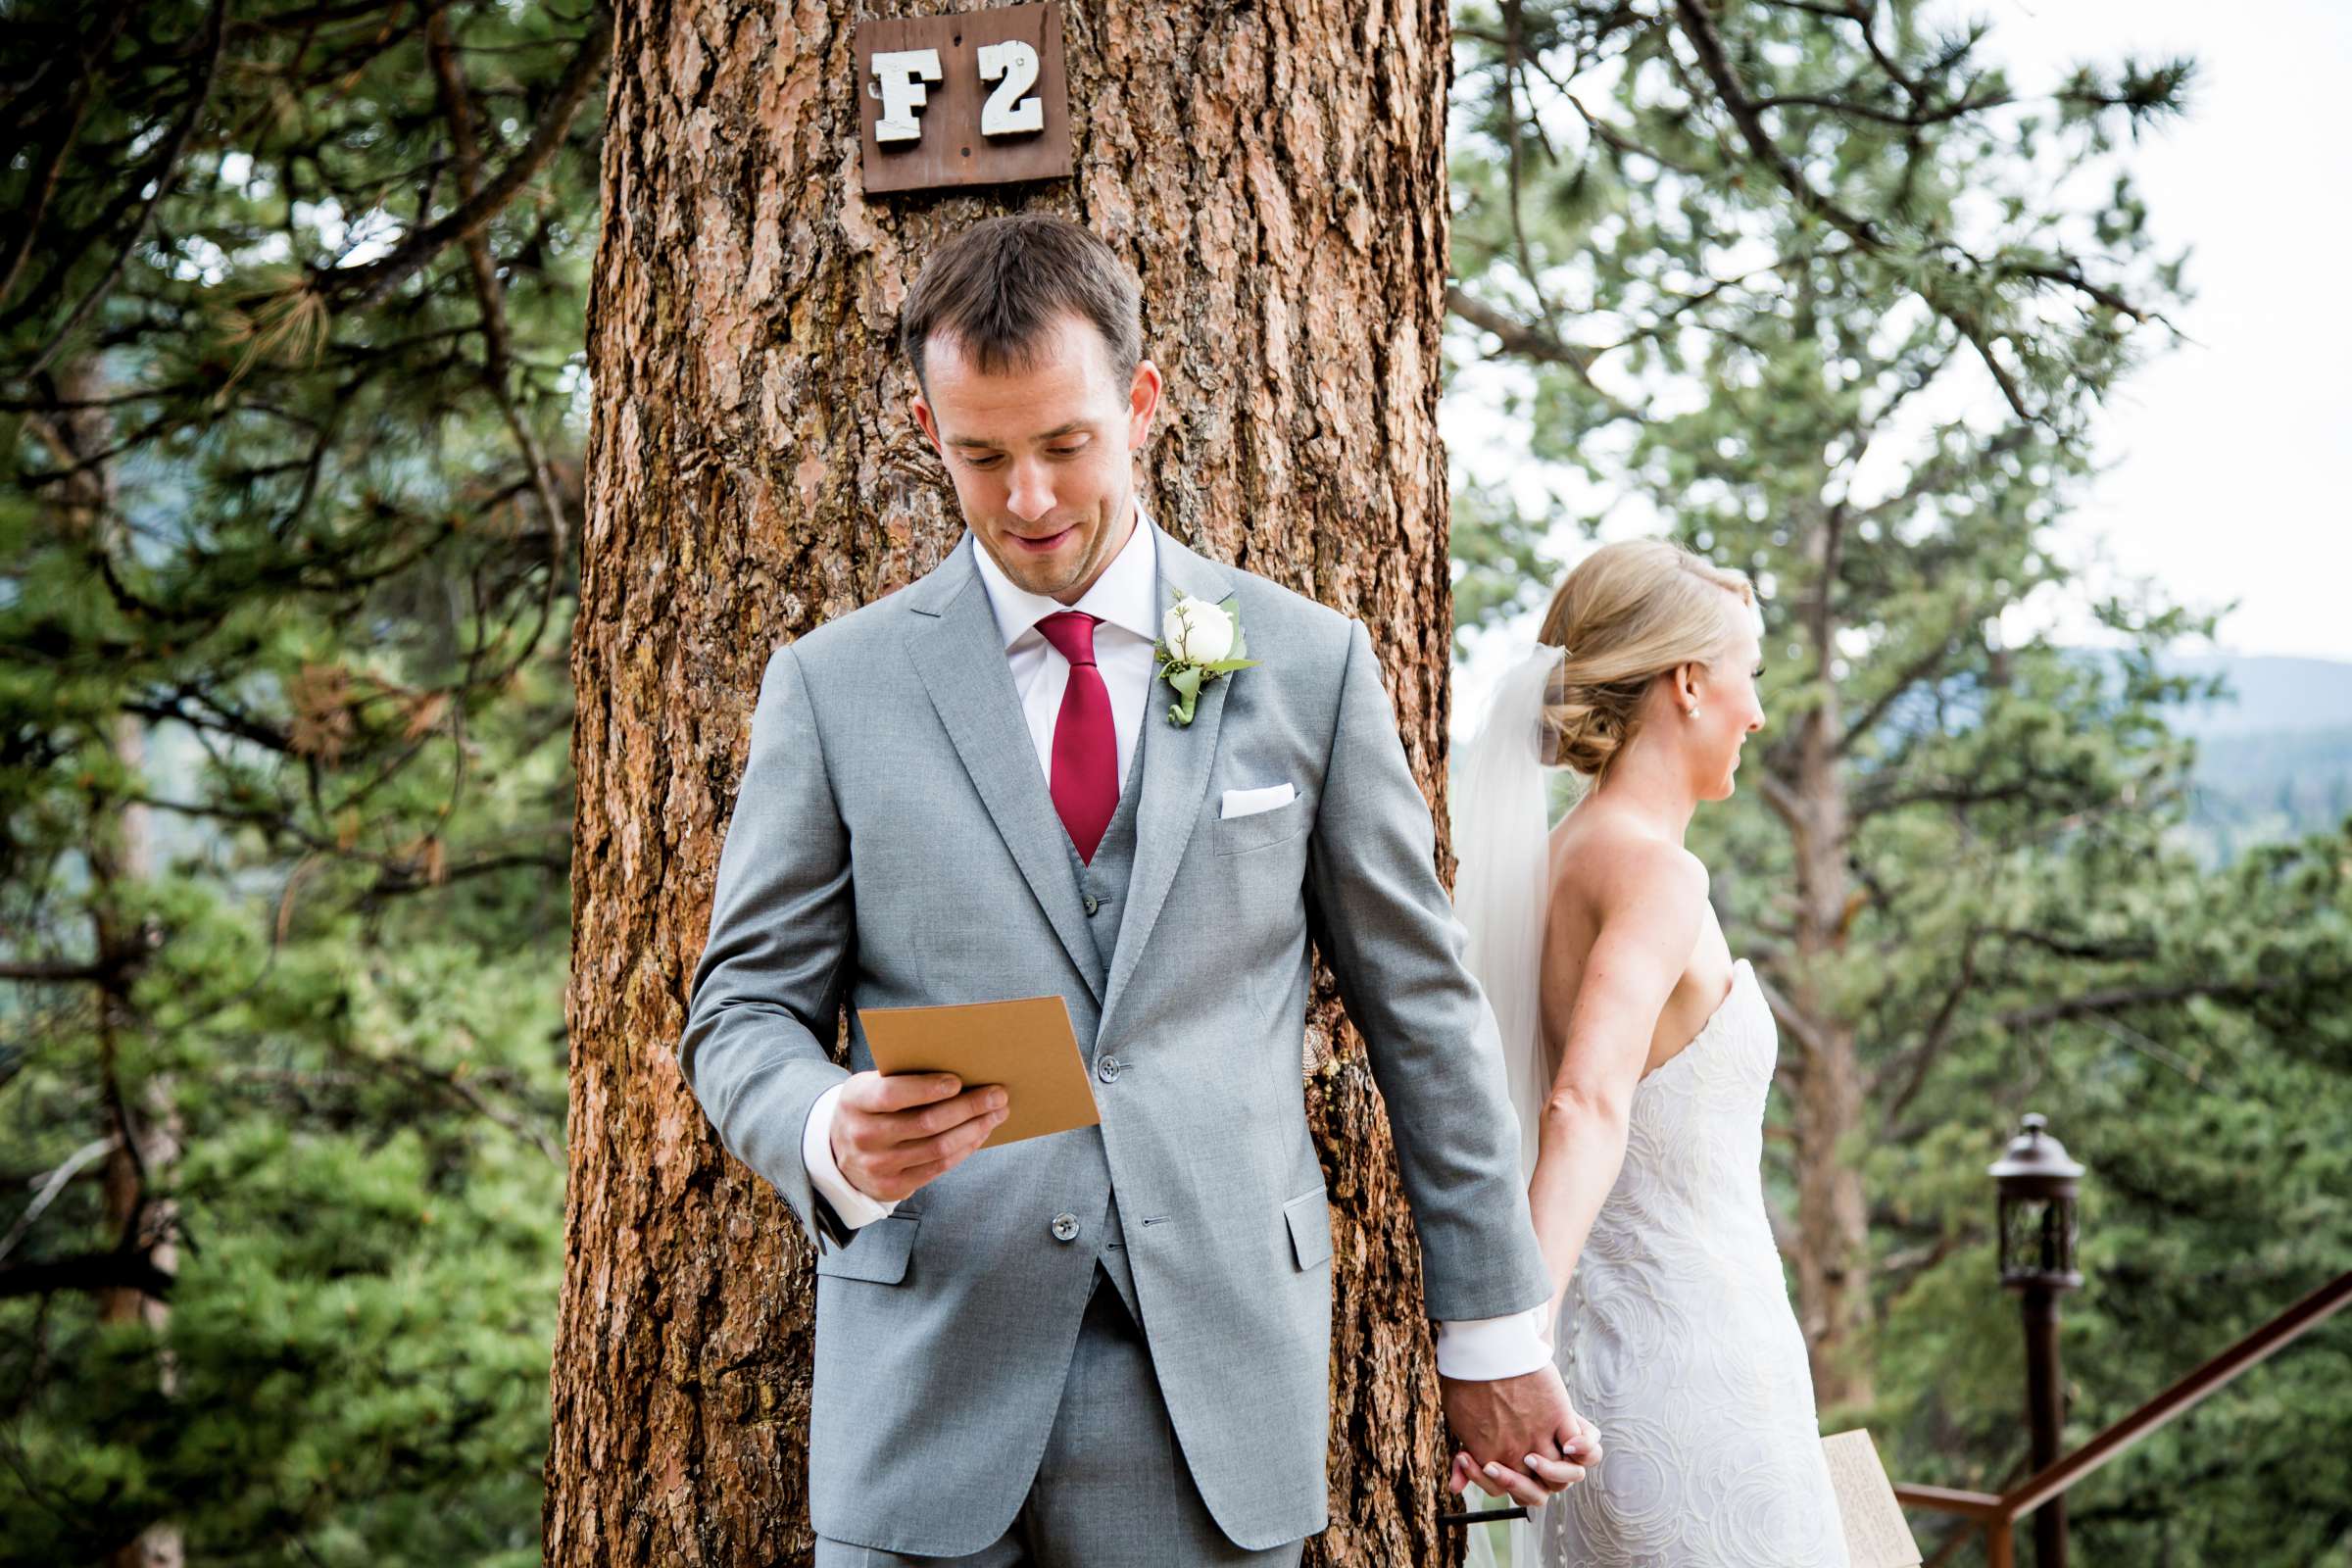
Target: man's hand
{"x": 894, "y": 1132}
{"x": 1519, "y": 1436}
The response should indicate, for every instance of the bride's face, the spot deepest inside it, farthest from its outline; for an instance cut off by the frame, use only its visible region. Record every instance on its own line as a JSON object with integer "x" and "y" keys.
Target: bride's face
{"x": 1729, "y": 712}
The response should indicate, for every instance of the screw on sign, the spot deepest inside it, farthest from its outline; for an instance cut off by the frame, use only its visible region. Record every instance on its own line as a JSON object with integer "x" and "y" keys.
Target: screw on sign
{"x": 971, "y": 99}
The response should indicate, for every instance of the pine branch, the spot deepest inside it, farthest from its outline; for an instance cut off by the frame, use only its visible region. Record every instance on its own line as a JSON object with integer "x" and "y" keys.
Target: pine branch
{"x": 1700, "y": 28}
{"x": 1533, "y": 343}
{"x": 2122, "y": 998}
{"x": 161, "y": 173}
{"x": 65, "y": 126}
{"x": 491, "y": 294}
{"x": 117, "y": 1269}
{"x": 1906, "y": 679}
{"x": 1782, "y": 799}
{"x": 1945, "y": 472}
{"x": 358, "y": 287}
{"x": 1916, "y": 120}
{"x": 1917, "y": 1064}
{"x": 47, "y": 974}
{"x": 53, "y": 1183}
{"x": 1519, "y": 338}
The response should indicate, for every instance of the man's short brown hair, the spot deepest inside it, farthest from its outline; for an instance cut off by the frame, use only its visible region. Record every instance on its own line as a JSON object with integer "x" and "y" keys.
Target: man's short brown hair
{"x": 997, "y": 286}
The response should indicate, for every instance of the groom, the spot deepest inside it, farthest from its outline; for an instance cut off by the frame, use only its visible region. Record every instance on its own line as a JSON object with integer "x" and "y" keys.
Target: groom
{"x": 1109, "y": 1346}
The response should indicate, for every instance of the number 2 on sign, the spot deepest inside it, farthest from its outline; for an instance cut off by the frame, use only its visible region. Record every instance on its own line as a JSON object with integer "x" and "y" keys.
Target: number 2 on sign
{"x": 899, "y": 76}
{"x": 1006, "y": 113}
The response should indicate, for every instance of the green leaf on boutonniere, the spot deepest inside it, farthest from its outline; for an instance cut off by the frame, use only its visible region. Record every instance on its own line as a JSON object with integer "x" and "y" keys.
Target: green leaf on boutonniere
{"x": 1231, "y": 605}
{"x": 1186, "y": 679}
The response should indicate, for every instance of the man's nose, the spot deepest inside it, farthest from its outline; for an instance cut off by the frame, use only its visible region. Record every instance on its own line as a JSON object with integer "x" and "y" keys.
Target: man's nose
{"x": 1029, "y": 495}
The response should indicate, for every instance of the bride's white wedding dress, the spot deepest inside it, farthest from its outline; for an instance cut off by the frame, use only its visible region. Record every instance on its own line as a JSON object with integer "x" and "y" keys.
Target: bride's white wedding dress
{"x": 1677, "y": 1340}
{"x": 1675, "y": 1336}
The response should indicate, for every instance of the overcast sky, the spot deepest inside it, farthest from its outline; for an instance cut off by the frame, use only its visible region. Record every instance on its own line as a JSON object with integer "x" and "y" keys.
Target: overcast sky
{"x": 2229, "y": 452}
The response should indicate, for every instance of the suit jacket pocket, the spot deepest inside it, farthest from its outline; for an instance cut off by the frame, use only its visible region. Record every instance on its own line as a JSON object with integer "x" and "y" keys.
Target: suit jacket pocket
{"x": 1309, "y": 1219}
{"x": 878, "y": 1254}
{"x": 1237, "y": 835}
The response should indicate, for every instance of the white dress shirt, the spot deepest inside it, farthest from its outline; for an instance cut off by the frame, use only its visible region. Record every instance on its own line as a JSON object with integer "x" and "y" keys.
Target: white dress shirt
{"x": 1124, "y": 599}
{"x": 1121, "y": 599}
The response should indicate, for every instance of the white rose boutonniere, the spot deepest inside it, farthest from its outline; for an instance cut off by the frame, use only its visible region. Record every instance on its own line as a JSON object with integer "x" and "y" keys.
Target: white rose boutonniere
{"x": 1198, "y": 641}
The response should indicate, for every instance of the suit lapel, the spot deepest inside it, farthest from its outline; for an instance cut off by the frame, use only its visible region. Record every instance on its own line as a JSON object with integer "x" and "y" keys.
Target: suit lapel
{"x": 959, "y": 653}
{"x": 1176, "y": 768}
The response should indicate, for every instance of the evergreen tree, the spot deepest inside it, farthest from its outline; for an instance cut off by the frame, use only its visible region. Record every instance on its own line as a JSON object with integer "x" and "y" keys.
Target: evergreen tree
{"x": 289, "y": 326}
{"x": 1819, "y": 291}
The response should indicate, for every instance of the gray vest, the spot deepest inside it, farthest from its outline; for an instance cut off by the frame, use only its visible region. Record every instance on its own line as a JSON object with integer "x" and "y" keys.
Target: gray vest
{"x": 1102, "y": 892}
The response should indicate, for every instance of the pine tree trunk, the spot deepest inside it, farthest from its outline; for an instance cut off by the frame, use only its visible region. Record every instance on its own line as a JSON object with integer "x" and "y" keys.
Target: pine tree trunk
{"x": 140, "y": 1116}
{"x": 1833, "y": 1264}
{"x": 1275, "y": 174}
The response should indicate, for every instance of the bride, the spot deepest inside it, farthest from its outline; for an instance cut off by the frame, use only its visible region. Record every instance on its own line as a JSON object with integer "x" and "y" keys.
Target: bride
{"x": 1639, "y": 1053}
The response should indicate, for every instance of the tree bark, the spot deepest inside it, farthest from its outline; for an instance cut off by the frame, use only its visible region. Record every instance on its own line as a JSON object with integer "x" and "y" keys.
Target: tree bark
{"x": 1275, "y": 174}
{"x": 140, "y": 1116}
{"x": 1833, "y": 1268}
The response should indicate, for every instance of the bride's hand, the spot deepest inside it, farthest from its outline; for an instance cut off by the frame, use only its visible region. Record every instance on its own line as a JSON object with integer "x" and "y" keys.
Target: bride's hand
{"x": 1585, "y": 1444}
{"x": 1542, "y": 1479}
{"x": 1533, "y": 1485}
{"x": 1535, "y": 1480}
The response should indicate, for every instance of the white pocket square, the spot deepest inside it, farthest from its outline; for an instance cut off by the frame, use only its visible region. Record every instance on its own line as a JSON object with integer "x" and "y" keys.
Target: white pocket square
{"x": 1249, "y": 802}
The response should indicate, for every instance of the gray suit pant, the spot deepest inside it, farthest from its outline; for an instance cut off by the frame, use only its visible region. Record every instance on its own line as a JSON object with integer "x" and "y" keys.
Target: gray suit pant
{"x": 1113, "y": 1490}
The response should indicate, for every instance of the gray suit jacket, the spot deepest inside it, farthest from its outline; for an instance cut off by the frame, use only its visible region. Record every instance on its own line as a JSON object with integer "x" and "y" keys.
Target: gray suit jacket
{"x": 895, "y": 844}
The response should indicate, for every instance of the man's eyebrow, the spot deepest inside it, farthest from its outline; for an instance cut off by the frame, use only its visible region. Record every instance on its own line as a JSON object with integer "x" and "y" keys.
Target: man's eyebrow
{"x": 1054, "y": 435}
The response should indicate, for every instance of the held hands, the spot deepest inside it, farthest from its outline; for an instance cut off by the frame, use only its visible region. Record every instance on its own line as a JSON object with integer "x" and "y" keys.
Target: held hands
{"x": 1519, "y": 1436}
{"x": 892, "y": 1133}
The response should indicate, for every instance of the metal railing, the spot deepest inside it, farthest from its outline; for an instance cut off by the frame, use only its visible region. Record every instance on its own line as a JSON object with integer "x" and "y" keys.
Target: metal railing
{"x": 1997, "y": 1513}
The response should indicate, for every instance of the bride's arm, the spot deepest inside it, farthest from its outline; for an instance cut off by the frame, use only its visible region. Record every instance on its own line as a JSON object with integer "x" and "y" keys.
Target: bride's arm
{"x": 1652, "y": 900}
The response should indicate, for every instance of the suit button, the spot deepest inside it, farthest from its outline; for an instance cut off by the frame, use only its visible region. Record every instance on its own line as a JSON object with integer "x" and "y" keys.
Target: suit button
{"x": 1092, "y": 904}
{"x": 1108, "y": 1068}
{"x": 1065, "y": 1227}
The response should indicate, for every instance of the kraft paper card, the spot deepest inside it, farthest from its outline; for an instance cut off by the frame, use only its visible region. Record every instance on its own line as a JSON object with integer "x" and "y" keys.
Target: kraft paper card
{"x": 1026, "y": 1045}
{"x": 1876, "y": 1534}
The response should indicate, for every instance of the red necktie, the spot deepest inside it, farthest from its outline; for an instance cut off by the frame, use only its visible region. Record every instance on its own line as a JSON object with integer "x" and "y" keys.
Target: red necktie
{"x": 1086, "y": 748}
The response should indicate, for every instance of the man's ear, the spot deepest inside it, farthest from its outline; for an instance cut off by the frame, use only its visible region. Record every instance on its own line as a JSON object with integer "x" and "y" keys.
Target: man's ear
{"x": 930, "y": 426}
{"x": 1142, "y": 402}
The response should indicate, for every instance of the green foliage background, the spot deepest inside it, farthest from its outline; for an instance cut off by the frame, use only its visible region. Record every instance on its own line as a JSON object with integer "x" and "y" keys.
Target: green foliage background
{"x": 293, "y": 542}
{"x": 1838, "y": 308}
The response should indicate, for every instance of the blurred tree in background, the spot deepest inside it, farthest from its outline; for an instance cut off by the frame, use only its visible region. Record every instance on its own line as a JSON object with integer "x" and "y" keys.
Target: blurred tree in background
{"x": 290, "y": 322}
{"x": 1819, "y": 290}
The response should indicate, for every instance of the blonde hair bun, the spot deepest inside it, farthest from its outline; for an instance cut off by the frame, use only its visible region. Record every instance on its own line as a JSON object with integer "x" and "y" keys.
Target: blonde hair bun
{"x": 1630, "y": 612}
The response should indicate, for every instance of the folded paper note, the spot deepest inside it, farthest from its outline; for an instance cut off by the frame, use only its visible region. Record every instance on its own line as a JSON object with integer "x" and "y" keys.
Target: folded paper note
{"x": 1026, "y": 1045}
{"x": 1876, "y": 1534}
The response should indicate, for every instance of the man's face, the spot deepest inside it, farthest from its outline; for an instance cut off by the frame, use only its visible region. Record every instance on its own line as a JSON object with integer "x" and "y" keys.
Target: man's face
{"x": 1042, "y": 457}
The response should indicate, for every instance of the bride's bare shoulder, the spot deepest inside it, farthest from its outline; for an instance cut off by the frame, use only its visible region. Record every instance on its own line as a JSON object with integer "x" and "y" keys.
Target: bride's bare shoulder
{"x": 1607, "y": 864}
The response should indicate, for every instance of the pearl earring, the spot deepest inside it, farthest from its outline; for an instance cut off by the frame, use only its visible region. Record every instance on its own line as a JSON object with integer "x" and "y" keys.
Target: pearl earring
{"x": 1692, "y": 712}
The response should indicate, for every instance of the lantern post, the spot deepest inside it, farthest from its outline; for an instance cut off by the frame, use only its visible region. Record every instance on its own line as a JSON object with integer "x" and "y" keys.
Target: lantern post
{"x": 2038, "y": 1185}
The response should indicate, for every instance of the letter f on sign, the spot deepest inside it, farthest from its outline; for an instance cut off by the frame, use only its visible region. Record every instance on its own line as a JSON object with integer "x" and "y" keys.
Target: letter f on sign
{"x": 896, "y": 73}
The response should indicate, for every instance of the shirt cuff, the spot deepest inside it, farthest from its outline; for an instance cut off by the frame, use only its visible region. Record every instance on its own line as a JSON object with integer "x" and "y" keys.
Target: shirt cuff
{"x": 853, "y": 1206}
{"x": 1482, "y": 1349}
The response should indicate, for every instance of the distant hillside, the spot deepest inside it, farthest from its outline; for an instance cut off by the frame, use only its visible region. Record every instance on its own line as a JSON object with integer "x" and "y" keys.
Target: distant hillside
{"x": 2276, "y": 761}
{"x": 2274, "y": 696}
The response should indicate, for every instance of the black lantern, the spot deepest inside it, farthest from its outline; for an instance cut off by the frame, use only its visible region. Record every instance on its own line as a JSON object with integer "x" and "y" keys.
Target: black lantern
{"x": 2039, "y": 1182}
